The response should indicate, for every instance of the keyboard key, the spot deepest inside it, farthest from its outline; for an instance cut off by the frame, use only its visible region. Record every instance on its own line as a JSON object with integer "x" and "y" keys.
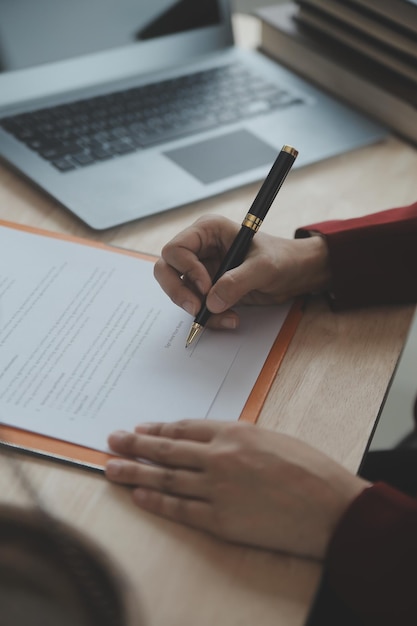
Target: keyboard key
{"x": 64, "y": 165}
{"x": 84, "y": 158}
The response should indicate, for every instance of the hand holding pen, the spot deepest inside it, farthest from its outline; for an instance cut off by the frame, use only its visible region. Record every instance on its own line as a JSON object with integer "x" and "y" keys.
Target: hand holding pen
{"x": 249, "y": 227}
{"x": 184, "y": 269}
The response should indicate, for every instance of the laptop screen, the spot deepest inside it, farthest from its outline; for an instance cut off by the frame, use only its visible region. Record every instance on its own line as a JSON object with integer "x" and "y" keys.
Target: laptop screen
{"x": 37, "y": 32}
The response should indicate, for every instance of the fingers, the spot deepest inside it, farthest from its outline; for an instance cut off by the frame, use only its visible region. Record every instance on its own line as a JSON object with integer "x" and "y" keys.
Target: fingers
{"x": 177, "y": 488}
{"x": 188, "y": 260}
{"x": 179, "y": 449}
{"x": 194, "y": 513}
{"x": 192, "y": 430}
{"x": 171, "y": 280}
{"x": 187, "y": 483}
{"x": 184, "y": 256}
{"x": 179, "y": 495}
{"x": 159, "y": 450}
{"x": 177, "y": 444}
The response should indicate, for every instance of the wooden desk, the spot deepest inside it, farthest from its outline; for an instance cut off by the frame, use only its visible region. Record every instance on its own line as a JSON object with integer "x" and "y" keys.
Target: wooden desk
{"x": 328, "y": 392}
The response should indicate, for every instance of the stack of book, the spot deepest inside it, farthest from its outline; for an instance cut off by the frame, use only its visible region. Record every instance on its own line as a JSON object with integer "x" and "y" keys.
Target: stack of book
{"x": 362, "y": 51}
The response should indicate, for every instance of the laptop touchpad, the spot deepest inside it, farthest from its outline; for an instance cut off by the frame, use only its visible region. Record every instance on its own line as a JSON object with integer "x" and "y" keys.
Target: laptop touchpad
{"x": 221, "y": 157}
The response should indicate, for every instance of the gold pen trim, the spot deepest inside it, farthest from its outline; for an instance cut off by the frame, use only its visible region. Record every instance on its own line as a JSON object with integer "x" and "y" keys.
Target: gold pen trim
{"x": 252, "y": 222}
{"x": 195, "y": 331}
{"x": 290, "y": 150}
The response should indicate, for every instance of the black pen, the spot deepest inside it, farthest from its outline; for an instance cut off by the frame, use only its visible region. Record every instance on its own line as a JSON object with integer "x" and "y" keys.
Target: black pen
{"x": 250, "y": 225}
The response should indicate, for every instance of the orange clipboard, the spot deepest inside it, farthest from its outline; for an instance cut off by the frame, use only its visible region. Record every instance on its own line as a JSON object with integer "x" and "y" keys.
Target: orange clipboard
{"x": 74, "y": 454}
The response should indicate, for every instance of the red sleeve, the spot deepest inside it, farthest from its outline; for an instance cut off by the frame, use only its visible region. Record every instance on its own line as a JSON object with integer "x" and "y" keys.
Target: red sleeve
{"x": 373, "y": 258}
{"x": 372, "y": 559}
{"x": 371, "y": 564}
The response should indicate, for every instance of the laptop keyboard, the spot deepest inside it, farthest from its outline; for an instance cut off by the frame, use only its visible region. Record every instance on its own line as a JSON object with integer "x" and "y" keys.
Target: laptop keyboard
{"x": 81, "y": 133}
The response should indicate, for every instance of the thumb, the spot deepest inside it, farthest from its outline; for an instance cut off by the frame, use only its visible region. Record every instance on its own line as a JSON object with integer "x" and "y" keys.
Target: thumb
{"x": 228, "y": 290}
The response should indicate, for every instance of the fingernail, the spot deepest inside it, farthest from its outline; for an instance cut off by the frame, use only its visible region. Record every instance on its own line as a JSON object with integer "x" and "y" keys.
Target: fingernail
{"x": 113, "y": 468}
{"x": 188, "y": 306}
{"x": 118, "y": 436}
{"x": 143, "y": 428}
{"x": 228, "y": 322}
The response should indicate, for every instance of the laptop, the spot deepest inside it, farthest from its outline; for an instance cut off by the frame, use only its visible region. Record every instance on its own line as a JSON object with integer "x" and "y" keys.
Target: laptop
{"x": 122, "y": 110}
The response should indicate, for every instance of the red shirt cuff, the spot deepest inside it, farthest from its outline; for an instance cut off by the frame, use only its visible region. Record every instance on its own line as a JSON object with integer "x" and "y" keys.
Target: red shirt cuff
{"x": 373, "y": 259}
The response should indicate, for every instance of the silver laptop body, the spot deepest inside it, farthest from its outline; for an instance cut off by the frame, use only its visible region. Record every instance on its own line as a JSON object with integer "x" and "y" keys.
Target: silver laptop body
{"x": 54, "y": 53}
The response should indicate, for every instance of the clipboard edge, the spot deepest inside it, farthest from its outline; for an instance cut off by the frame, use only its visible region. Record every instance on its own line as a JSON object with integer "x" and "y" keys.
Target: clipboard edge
{"x": 260, "y": 390}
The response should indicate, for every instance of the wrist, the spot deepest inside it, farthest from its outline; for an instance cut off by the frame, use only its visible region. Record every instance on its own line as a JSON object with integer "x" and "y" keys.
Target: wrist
{"x": 346, "y": 488}
{"x": 316, "y": 264}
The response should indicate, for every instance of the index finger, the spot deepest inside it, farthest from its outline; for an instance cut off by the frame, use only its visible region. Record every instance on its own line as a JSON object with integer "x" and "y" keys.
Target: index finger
{"x": 200, "y": 248}
{"x": 200, "y": 239}
{"x": 184, "y": 269}
{"x": 190, "y": 430}
{"x": 180, "y": 271}
{"x": 160, "y": 450}
{"x": 172, "y": 282}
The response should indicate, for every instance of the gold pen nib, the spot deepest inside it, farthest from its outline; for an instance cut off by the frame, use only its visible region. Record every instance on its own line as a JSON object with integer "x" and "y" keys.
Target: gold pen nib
{"x": 195, "y": 331}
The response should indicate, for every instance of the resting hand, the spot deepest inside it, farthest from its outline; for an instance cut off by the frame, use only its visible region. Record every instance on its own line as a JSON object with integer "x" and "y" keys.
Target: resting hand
{"x": 274, "y": 271}
{"x": 239, "y": 482}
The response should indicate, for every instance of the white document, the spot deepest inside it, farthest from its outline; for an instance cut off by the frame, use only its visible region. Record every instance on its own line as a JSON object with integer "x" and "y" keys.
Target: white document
{"x": 89, "y": 343}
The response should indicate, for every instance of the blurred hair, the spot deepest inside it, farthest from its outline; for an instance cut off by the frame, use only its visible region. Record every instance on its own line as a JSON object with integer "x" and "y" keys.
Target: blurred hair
{"x": 52, "y": 575}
